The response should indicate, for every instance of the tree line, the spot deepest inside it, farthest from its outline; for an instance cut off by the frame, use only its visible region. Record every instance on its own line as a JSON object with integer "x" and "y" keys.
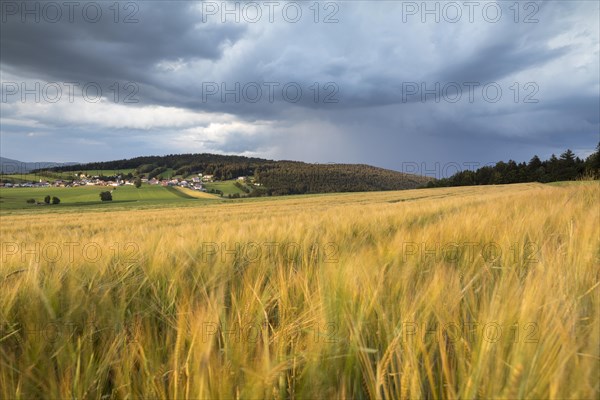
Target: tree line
{"x": 566, "y": 167}
{"x": 174, "y": 161}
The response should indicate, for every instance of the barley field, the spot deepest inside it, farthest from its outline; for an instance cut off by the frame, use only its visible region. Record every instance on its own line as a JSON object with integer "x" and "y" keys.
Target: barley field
{"x": 473, "y": 292}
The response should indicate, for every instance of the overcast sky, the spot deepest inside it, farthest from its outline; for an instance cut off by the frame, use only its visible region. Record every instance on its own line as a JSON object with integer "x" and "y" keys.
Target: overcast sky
{"x": 387, "y": 83}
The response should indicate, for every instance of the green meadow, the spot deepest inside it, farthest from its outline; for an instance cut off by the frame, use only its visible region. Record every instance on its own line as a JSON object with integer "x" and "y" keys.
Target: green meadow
{"x": 88, "y": 197}
{"x": 227, "y": 187}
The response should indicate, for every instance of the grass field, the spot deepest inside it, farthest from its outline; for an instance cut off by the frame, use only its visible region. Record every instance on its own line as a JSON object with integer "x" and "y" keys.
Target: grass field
{"x": 471, "y": 292}
{"x": 86, "y": 198}
{"x": 227, "y": 187}
{"x": 34, "y": 177}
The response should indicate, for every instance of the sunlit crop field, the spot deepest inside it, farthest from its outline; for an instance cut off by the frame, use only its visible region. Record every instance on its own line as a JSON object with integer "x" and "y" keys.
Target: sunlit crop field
{"x": 474, "y": 292}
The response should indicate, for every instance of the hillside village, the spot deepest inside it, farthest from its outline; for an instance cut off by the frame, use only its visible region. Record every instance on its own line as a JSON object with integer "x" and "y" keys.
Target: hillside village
{"x": 194, "y": 183}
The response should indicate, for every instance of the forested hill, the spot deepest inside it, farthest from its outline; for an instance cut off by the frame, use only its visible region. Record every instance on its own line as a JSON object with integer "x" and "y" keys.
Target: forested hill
{"x": 296, "y": 178}
{"x": 275, "y": 177}
{"x": 175, "y": 161}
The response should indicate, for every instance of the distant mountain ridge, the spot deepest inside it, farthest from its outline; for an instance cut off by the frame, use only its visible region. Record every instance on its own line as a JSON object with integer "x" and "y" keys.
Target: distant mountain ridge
{"x": 275, "y": 177}
{"x": 10, "y": 166}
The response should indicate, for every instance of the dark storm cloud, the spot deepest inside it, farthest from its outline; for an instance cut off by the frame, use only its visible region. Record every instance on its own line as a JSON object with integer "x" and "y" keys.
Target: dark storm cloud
{"x": 363, "y": 65}
{"x": 108, "y": 51}
{"x": 496, "y": 61}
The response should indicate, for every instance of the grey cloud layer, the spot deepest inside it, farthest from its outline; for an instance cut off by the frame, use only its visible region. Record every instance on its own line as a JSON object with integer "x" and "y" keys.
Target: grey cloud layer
{"x": 370, "y": 55}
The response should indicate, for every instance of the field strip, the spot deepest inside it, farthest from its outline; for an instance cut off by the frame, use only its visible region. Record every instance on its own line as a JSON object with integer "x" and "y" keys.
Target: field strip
{"x": 196, "y": 194}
